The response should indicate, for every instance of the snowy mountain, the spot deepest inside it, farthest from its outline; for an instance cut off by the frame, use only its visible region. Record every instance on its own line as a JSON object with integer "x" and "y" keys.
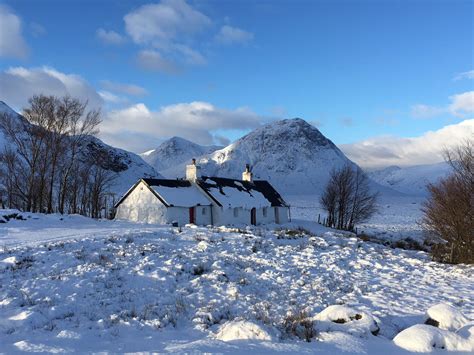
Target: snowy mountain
{"x": 292, "y": 154}
{"x": 175, "y": 151}
{"x": 410, "y": 180}
{"x": 128, "y": 166}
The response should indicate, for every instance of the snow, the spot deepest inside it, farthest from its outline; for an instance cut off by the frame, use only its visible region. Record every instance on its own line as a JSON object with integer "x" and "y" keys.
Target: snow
{"x": 347, "y": 320}
{"x": 242, "y": 330}
{"x": 77, "y": 285}
{"x": 398, "y": 217}
{"x": 233, "y": 197}
{"x": 447, "y": 316}
{"x": 410, "y": 180}
{"x": 182, "y": 196}
{"x": 175, "y": 151}
{"x": 426, "y": 338}
{"x": 291, "y": 154}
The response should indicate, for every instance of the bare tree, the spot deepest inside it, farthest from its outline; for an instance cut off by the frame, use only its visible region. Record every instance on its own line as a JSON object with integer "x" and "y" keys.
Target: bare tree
{"x": 347, "y": 198}
{"x": 449, "y": 211}
{"x": 44, "y": 169}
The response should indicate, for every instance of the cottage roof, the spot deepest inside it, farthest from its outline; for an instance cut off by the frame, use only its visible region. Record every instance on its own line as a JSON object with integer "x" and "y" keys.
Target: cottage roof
{"x": 180, "y": 193}
{"x": 236, "y": 193}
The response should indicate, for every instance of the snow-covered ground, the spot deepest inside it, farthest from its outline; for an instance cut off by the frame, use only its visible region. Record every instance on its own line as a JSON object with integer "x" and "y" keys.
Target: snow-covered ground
{"x": 77, "y": 285}
{"x": 398, "y": 217}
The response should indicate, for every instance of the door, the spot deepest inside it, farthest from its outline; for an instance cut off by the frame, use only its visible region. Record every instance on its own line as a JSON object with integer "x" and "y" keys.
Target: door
{"x": 192, "y": 215}
{"x": 253, "y": 216}
{"x": 277, "y": 216}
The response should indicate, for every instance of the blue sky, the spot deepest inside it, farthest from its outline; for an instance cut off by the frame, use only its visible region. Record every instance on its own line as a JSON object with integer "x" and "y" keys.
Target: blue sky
{"x": 356, "y": 69}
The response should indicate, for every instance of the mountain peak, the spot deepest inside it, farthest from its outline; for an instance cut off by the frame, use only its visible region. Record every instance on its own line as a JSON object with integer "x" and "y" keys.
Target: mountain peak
{"x": 175, "y": 150}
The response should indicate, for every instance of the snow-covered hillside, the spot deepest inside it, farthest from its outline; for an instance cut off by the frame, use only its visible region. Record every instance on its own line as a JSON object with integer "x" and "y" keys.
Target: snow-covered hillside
{"x": 410, "y": 180}
{"x": 292, "y": 154}
{"x": 175, "y": 151}
{"x": 128, "y": 166}
{"x": 131, "y": 288}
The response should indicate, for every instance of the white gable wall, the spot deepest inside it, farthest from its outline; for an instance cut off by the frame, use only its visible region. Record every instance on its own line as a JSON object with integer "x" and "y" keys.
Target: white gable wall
{"x": 141, "y": 205}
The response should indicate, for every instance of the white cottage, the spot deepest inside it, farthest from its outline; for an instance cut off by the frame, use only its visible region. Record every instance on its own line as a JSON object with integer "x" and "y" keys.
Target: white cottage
{"x": 203, "y": 201}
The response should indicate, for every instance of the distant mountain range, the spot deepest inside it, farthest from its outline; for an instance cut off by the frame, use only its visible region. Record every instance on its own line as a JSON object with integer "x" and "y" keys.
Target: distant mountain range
{"x": 410, "y": 180}
{"x": 292, "y": 154}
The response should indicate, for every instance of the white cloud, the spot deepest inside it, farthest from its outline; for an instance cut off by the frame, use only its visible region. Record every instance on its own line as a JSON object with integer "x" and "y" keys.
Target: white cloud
{"x": 127, "y": 89}
{"x": 12, "y": 43}
{"x": 111, "y": 98}
{"x": 166, "y": 31}
{"x": 164, "y": 22}
{"x": 137, "y": 128}
{"x": 462, "y": 103}
{"x": 150, "y": 59}
{"x": 110, "y": 37}
{"x": 18, "y": 84}
{"x": 426, "y": 111}
{"x": 425, "y": 149}
{"x": 466, "y": 75}
{"x": 231, "y": 35}
{"x": 191, "y": 56}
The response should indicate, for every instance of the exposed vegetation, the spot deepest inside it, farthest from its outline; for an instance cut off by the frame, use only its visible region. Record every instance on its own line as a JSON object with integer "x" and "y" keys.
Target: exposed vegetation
{"x": 449, "y": 210}
{"x": 46, "y": 171}
{"x": 347, "y": 198}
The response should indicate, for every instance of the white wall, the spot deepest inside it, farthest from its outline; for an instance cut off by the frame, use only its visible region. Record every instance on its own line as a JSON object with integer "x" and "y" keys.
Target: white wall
{"x": 181, "y": 215}
{"x": 226, "y": 216}
{"x": 141, "y": 205}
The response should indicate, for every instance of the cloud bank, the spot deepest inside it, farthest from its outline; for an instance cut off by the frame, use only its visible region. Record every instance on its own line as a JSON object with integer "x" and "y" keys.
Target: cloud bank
{"x": 138, "y": 128}
{"x": 18, "y": 84}
{"x": 384, "y": 151}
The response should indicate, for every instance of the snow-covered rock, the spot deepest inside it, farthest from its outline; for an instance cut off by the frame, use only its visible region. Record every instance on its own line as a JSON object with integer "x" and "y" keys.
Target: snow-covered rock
{"x": 243, "y": 330}
{"x": 347, "y": 320}
{"x": 426, "y": 338}
{"x": 445, "y": 316}
{"x": 175, "y": 151}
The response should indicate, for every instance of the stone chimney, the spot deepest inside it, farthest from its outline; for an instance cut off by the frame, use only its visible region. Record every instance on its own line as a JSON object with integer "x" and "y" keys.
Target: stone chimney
{"x": 247, "y": 175}
{"x": 193, "y": 171}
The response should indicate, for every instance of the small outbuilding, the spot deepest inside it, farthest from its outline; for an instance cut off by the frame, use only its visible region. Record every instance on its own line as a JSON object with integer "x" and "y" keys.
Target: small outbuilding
{"x": 203, "y": 201}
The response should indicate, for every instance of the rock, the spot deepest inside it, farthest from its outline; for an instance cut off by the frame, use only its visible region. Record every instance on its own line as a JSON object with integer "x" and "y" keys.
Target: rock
{"x": 347, "y": 320}
{"x": 425, "y": 338}
{"x": 243, "y": 330}
{"x": 445, "y": 316}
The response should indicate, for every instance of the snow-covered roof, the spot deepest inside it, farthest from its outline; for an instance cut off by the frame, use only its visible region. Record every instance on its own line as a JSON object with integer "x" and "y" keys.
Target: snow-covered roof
{"x": 236, "y": 193}
{"x": 180, "y": 193}
{"x": 224, "y": 192}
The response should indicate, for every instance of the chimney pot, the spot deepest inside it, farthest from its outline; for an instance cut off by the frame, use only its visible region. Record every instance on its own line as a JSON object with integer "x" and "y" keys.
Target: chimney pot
{"x": 247, "y": 175}
{"x": 193, "y": 171}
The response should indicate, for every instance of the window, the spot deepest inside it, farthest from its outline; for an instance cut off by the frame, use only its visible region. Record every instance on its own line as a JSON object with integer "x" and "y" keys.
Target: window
{"x": 264, "y": 211}
{"x": 236, "y": 212}
{"x": 204, "y": 211}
